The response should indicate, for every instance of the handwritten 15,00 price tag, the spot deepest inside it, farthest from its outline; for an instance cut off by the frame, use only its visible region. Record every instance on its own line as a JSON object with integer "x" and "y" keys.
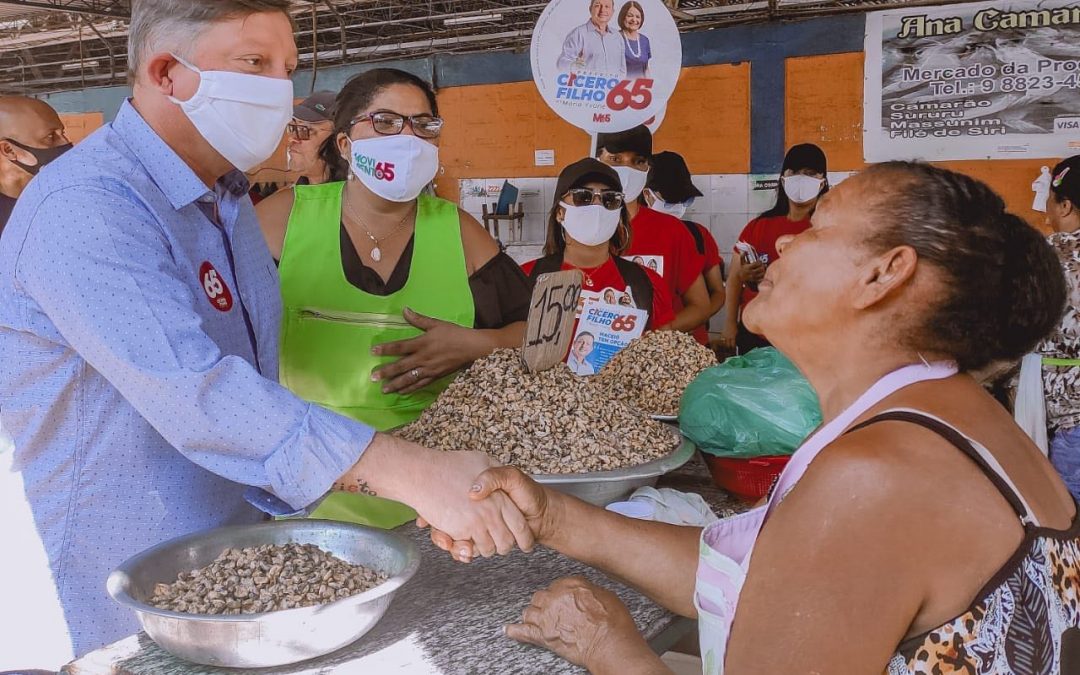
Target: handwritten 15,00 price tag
{"x": 552, "y": 312}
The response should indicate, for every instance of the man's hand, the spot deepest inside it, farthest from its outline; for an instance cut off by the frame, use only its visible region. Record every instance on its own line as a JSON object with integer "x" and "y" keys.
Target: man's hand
{"x": 442, "y": 349}
{"x": 583, "y": 623}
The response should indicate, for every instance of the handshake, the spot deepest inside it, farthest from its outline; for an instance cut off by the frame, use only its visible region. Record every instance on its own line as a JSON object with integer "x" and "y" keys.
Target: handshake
{"x": 505, "y": 508}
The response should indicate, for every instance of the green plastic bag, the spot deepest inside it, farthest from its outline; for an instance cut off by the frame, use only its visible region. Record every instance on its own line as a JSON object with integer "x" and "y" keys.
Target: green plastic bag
{"x": 755, "y": 405}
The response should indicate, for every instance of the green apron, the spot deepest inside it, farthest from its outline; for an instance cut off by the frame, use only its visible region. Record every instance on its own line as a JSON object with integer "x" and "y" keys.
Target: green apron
{"x": 329, "y": 326}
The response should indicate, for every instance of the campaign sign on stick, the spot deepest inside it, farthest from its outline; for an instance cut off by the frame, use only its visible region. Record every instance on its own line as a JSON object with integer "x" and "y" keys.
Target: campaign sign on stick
{"x": 606, "y": 65}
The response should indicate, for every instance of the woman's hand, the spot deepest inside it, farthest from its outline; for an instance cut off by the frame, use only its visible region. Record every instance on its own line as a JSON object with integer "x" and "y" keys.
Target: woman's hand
{"x": 752, "y": 273}
{"x": 442, "y": 349}
{"x": 586, "y": 625}
{"x": 728, "y": 335}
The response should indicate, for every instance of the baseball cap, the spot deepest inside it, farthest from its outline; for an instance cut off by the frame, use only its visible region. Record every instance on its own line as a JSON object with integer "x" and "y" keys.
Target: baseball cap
{"x": 584, "y": 171}
{"x": 670, "y": 177}
{"x": 319, "y": 107}
{"x": 637, "y": 139}
{"x": 805, "y": 156}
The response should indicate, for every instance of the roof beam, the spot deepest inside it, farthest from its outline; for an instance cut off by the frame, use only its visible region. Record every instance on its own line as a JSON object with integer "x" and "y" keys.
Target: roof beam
{"x": 95, "y": 7}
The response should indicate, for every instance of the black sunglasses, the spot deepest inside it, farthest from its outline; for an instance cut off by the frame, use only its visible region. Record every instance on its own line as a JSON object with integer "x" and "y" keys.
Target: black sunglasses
{"x": 391, "y": 123}
{"x": 609, "y": 199}
{"x": 298, "y": 131}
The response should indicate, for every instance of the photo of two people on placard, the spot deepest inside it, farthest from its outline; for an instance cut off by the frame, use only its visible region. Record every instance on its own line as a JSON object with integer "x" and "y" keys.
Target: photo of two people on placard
{"x": 610, "y": 42}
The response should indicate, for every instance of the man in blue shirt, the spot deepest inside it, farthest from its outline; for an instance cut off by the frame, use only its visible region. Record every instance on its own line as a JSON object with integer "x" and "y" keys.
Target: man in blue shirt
{"x": 139, "y": 311}
{"x": 595, "y": 46}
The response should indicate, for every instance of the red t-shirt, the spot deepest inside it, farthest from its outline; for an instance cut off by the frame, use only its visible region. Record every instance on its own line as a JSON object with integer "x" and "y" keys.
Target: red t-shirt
{"x": 608, "y": 285}
{"x": 762, "y": 233}
{"x": 666, "y": 247}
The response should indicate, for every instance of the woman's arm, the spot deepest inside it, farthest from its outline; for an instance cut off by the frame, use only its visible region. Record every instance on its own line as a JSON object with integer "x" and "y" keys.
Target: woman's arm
{"x": 696, "y": 307}
{"x": 733, "y": 293}
{"x": 444, "y": 347}
{"x": 658, "y": 559}
{"x": 714, "y": 281}
{"x": 273, "y": 213}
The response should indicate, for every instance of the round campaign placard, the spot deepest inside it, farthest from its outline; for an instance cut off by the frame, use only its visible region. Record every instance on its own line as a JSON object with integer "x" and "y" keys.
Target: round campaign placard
{"x": 606, "y": 65}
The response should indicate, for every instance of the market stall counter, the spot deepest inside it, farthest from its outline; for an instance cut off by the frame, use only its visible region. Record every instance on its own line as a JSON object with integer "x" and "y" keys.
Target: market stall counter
{"x": 449, "y": 617}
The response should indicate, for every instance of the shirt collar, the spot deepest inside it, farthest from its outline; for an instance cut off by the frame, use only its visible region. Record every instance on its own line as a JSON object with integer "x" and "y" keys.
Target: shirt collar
{"x": 1063, "y": 238}
{"x": 607, "y": 29}
{"x": 169, "y": 172}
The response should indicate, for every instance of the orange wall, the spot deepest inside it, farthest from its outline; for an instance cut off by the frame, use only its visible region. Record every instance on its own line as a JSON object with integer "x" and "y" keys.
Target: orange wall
{"x": 824, "y": 105}
{"x": 493, "y": 130}
{"x": 81, "y": 125}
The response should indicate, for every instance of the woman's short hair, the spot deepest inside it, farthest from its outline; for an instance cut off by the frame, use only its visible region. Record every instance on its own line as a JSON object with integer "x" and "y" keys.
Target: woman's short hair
{"x": 626, "y": 10}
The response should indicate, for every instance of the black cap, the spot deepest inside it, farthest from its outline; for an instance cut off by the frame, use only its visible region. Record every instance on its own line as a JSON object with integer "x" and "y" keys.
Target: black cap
{"x": 319, "y": 107}
{"x": 805, "y": 156}
{"x": 670, "y": 177}
{"x": 638, "y": 139}
{"x": 1065, "y": 179}
{"x": 586, "y": 171}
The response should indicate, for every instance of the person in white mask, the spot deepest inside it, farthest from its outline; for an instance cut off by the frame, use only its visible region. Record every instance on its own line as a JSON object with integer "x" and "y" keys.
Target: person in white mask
{"x": 803, "y": 181}
{"x": 660, "y": 239}
{"x": 671, "y": 190}
{"x": 588, "y": 230}
{"x": 388, "y": 291}
{"x": 139, "y": 320}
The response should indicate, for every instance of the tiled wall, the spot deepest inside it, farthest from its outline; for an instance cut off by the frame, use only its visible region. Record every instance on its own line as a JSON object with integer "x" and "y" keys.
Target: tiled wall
{"x": 729, "y": 202}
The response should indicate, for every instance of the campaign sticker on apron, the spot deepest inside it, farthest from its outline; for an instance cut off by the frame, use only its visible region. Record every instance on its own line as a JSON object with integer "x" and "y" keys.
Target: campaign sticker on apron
{"x": 214, "y": 286}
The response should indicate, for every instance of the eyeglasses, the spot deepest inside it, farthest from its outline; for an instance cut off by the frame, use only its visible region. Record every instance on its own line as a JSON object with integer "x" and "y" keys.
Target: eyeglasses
{"x": 392, "y": 124}
{"x": 609, "y": 199}
{"x": 298, "y": 131}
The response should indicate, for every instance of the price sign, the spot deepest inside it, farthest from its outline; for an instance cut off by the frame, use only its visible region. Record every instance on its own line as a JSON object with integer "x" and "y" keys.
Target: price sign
{"x": 551, "y": 319}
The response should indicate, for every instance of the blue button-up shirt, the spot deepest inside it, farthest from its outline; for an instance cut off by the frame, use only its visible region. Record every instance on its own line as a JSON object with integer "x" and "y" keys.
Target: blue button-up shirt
{"x": 137, "y": 311}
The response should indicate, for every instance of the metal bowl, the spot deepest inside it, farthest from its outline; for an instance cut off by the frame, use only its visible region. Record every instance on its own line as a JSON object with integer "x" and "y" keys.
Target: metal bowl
{"x": 271, "y": 638}
{"x": 604, "y": 487}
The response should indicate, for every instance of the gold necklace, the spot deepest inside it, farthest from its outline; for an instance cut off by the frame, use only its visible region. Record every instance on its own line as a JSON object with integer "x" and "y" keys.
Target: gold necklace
{"x": 376, "y": 251}
{"x": 588, "y": 272}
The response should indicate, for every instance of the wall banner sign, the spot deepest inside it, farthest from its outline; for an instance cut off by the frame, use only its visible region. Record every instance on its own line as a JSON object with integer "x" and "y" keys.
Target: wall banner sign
{"x": 606, "y": 65}
{"x": 986, "y": 80}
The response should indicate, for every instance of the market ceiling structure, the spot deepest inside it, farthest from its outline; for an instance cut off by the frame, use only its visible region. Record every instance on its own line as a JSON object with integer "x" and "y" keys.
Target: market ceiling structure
{"x": 58, "y": 45}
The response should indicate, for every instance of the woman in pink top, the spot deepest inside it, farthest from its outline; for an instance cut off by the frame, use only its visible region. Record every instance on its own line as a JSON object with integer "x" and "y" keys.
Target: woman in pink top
{"x": 918, "y": 530}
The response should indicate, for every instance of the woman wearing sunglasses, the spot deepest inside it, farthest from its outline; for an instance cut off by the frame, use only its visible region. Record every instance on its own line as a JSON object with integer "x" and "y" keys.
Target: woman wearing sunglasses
{"x": 387, "y": 290}
{"x": 588, "y": 230}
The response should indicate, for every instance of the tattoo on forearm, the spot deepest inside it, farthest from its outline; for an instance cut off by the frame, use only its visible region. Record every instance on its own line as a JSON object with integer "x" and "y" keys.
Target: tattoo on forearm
{"x": 356, "y": 486}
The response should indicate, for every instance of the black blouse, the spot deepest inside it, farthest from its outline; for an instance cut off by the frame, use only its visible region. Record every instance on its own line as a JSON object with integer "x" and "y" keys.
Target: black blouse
{"x": 501, "y": 291}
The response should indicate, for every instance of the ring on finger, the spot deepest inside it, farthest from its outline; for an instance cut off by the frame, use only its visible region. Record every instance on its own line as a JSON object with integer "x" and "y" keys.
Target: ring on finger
{"x": 415, "y": 374}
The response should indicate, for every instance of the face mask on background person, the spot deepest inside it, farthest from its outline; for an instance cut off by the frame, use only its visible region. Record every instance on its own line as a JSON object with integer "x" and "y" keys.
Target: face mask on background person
{"x": 677, "y": 209}
{"x": 43, "y": 156}
{"x": 633, "y": 181}
{"x": 396, "y": 168}
{"x": 241, "y": 116}
{"x": 590, "y": 225}
{"x": 801, "y": 189}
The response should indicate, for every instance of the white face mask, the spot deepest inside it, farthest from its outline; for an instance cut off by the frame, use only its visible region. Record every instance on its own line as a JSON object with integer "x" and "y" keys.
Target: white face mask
{"x": 633, "y": 181}
{"x": 397, "y": 168}
{"x": 801, "y": 189}
{"x": 590, "y": 225}
{"x": 241, "y": 116}
{"x": 677, "y": 209}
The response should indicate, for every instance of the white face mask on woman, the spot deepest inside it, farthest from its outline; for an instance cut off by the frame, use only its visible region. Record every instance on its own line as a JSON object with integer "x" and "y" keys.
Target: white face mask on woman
{"x": 241, "y": 116}
{"x": 590, "y": 225}
{"x": 396, "y": 168}
{"x": 677, "y": 209}
{"x": 802, "y": 189}
{"x": 633, "y": 181}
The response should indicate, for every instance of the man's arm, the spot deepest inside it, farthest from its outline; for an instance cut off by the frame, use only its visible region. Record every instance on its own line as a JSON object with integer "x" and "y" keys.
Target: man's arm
{"x": 572, "y": 50}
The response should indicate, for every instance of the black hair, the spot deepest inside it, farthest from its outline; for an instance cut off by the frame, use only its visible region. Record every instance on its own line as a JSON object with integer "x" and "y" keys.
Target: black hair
{"x": 1004, "y": 289}
{"x": 1067, "y": 176}
{"x": 798, "y": 157}
{"x": 356, "y": 95}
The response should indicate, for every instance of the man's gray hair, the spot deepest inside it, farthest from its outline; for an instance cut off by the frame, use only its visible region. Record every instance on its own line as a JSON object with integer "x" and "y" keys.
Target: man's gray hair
{"x": 174, "y": 25}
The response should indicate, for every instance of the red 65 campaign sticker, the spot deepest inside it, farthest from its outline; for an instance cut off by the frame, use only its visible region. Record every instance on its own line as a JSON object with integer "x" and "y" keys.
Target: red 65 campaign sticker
{"x": 214, "y": 287}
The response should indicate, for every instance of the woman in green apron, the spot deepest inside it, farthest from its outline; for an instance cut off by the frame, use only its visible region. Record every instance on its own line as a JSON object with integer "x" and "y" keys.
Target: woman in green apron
{"x": 387, "y": 290}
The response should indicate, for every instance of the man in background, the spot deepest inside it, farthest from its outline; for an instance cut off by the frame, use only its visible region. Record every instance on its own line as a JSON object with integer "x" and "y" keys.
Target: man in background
{"x": 31, "y": 136}
{"x": 312, "y": 124}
